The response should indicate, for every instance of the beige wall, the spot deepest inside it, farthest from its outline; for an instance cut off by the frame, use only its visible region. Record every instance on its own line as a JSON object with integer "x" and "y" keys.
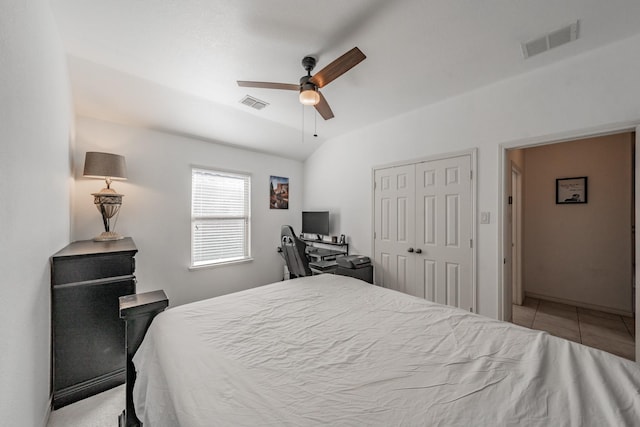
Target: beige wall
{"x": 580, "y": 253}
{"x": 517, "y": 156}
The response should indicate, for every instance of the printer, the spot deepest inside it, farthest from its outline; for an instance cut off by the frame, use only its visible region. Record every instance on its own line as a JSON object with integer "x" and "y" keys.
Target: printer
{"x": 357, "y": 266}
{"x": 353, "y": 261}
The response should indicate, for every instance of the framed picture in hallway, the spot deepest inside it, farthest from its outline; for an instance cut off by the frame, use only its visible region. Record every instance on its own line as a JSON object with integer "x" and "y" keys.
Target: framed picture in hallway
{"x": 571, "y": 190}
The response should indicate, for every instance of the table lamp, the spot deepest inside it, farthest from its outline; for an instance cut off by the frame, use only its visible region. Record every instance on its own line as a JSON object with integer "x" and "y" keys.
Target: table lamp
{"x": 108, "y": 167}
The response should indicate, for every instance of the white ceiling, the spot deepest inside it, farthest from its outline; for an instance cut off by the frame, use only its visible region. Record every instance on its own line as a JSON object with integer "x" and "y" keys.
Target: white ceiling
{"x": 173, "y": 64}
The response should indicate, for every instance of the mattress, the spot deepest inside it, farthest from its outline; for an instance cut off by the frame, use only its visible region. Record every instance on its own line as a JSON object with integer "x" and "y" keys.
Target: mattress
{"x": 333, "y": 350}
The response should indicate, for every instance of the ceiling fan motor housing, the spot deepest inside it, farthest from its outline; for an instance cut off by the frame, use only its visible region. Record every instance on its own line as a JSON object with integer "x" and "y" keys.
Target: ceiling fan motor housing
{"x": 308, "y": 63}
{"x": 305, "y": 84}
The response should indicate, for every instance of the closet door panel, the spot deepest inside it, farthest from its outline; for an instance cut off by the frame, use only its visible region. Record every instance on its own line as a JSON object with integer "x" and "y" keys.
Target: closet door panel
{"x": 394, "y": 201}
{"x": 444, "y": 228}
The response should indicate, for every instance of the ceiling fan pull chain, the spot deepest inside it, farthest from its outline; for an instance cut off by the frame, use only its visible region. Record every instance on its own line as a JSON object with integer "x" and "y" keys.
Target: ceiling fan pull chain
{"x": 315, "y": 124}
{"x": 302, "y": 127}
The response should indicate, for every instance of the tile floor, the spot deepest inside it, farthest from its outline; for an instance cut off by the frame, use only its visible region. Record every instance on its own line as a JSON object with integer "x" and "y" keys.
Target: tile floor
{"x": 609, "y": 332}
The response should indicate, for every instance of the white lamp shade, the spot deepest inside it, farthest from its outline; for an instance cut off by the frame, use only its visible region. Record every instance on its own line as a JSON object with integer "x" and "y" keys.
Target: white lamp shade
{"x": 309, "y": 97}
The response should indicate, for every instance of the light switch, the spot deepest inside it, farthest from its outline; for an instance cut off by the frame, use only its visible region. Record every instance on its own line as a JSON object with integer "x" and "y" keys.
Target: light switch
{"x": 485, "y": 217}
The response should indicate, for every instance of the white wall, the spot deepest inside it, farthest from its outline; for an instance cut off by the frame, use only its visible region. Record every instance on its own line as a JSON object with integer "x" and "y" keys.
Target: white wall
{"x": 35, "y": 123}
{"x": 156, "y": 210}
{"x": 581, "y": 253}
{"x": 591, "y": 90}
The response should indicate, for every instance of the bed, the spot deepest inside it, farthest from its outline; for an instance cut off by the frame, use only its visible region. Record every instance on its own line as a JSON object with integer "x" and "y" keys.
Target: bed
{"x": 333, "y": 350}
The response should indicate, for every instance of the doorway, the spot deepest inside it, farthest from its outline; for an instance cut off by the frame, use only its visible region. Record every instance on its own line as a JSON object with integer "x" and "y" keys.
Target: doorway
{"x": 513, "y": 280}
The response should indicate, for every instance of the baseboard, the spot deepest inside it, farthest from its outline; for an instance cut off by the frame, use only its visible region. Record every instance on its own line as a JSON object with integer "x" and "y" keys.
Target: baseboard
{"x": 88, "y": 388}
{"x": 47, "y": 412}
{"x": 580, "y": 304}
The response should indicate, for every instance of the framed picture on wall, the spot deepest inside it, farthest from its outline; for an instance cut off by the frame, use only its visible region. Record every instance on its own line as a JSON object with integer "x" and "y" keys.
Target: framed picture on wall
{"x": 279, "y": 192}
{"x": 571, "y": 190}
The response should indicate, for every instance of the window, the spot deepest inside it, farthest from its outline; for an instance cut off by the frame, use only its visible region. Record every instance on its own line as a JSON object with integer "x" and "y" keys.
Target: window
{"x": 220, "y": 217}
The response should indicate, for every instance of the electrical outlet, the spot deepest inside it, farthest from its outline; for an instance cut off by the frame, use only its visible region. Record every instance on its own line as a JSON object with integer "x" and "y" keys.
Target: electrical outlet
{"x": 485, "y": 217}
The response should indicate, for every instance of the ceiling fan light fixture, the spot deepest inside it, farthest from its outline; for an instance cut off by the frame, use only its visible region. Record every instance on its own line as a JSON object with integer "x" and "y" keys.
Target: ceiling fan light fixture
{"x": 309, "y": 97}
{"x": 309, "y": 85}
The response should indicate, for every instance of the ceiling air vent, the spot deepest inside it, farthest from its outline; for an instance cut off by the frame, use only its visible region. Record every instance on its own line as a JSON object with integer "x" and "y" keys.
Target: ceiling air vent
{"x": 549, "y": 41}
{"x": 252, "y": 102}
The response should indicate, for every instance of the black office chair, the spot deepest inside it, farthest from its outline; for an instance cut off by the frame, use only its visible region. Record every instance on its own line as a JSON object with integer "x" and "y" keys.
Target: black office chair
{"x": 294, "y": 252}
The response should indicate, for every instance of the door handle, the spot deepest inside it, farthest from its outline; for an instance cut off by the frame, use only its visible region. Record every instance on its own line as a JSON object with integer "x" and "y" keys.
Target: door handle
{"x": 410, "y": 250}
{"x": 418, "y": 251}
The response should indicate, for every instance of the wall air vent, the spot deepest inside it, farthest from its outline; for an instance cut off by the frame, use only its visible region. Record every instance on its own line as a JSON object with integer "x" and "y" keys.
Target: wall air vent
{"x": 252, "y": 102}
{"x": 549, "y": 41}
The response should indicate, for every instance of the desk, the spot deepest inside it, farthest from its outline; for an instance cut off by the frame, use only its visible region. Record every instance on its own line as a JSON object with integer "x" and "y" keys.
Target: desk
{"x": 322, "y": 250}
{"x": 318, "y": 267}
{"x": 322, "y": 254}
{"x": 364, "y": 272}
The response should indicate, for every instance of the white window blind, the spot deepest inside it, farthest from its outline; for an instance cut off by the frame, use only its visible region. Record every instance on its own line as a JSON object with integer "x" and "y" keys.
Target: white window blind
{"x": 220, "y": 217}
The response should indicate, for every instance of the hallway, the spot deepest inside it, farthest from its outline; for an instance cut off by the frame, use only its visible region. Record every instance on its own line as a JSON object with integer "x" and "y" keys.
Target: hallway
{"x": 609, "y": 332}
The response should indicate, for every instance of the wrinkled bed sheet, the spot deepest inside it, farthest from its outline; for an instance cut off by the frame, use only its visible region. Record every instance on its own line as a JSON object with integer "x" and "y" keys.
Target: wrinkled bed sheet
{"x": 336, "y": 351}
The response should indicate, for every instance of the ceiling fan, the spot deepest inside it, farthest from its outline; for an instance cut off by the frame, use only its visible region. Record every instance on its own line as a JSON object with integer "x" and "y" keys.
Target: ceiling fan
{"x": 309, "y": 85}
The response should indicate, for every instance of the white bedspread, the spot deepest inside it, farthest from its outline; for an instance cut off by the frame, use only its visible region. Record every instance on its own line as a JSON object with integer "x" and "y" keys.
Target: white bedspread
{"x": 336, "y": 351}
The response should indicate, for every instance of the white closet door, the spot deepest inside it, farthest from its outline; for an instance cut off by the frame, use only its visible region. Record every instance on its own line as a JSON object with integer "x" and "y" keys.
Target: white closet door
{"x": 394, "y": 198}
{"x": 444, "y": 254}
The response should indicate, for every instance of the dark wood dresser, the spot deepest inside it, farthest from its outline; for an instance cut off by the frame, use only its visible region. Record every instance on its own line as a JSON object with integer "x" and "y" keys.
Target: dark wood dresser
{"x": 88, "y": 336}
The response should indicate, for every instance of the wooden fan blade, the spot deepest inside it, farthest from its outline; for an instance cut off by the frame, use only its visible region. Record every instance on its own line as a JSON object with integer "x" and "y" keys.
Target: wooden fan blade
{"x": 338, "y": 67}
{"x": 267, "y": 85}
{"x": 323, "y": 108}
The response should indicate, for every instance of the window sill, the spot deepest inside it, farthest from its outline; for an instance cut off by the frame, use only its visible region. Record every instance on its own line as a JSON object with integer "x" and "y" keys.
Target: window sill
{"x": 220, "y": 264}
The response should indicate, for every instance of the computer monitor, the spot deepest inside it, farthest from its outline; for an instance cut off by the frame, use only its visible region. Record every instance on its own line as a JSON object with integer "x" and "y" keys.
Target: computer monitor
{"x": 315, "y": 223}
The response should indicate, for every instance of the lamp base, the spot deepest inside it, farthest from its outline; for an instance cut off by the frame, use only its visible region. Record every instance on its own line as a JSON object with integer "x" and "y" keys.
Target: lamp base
{"x": 106, "y": 236}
